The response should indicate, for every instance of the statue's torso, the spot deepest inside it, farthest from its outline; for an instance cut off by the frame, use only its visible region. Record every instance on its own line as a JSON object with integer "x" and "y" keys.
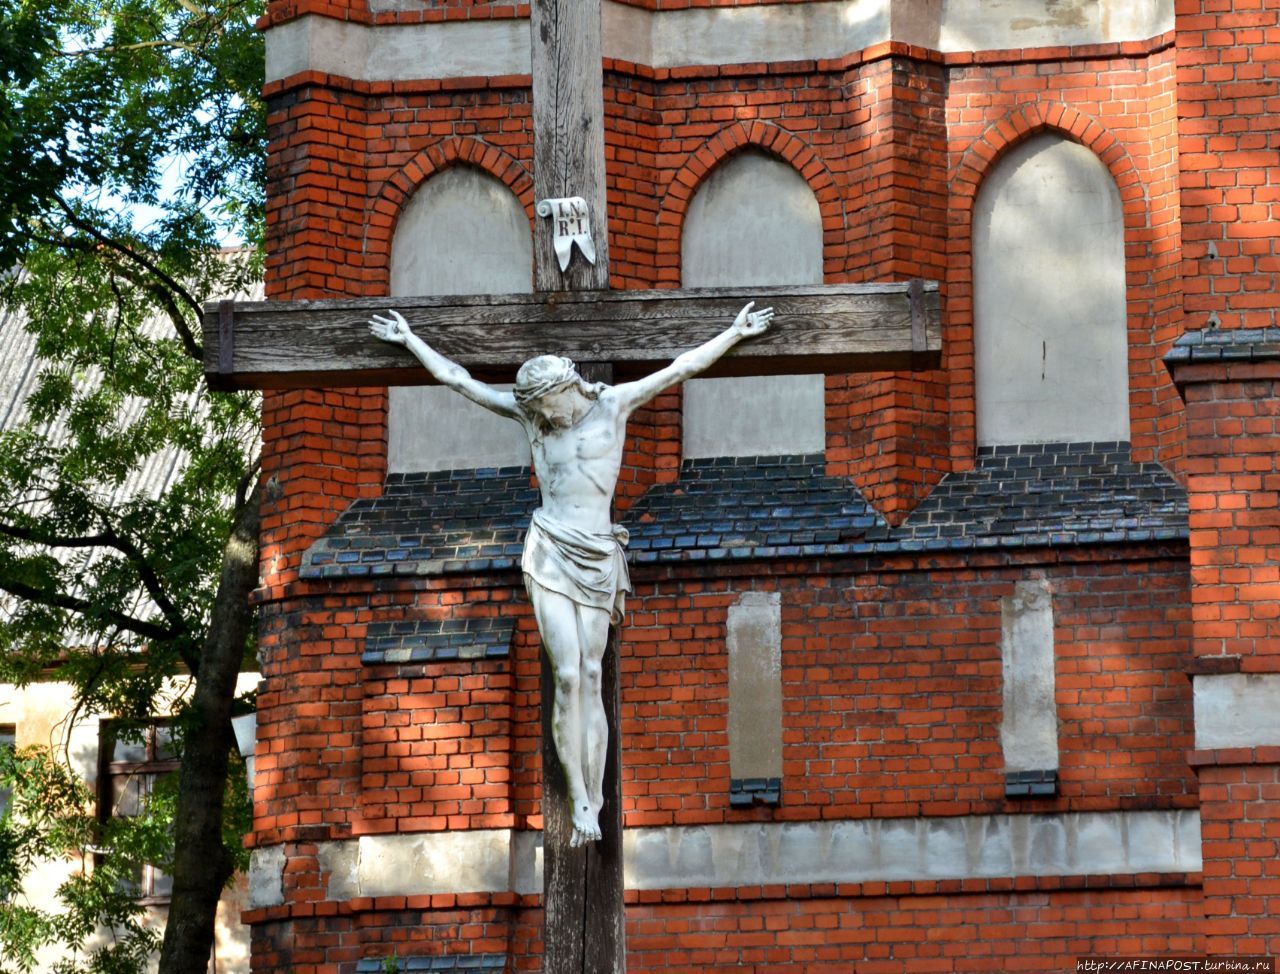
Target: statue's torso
{"x": 577, "y": 467}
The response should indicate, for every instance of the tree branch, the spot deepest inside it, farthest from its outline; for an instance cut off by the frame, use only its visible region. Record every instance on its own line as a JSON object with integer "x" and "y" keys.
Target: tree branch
{"x": 158, "y": 291}
{"x": 128, "y": 252}
{"x": 61, "y": 600}
{"x": 110, "y": 539}
{"x": 138, "y": 46}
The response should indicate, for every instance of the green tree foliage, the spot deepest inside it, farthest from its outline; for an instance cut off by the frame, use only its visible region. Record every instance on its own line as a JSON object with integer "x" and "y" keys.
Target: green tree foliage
{"x": 97, "y": 916}
{"x": 132, "y": 140}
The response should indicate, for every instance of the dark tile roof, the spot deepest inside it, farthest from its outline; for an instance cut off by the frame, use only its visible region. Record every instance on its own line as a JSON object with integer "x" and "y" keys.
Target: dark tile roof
{"x": 449, "y": 964}
{"x": 732, "y": 508}
{"x": 429, "y": 524}
{"x": 747, "y": 507}
{"x": 1052, "y": 494}
{"x": 438, "y": 640}
{"x": 1225, "y": 344}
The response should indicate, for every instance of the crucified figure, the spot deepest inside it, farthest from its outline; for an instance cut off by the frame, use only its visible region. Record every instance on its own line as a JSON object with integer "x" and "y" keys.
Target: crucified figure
{"x": 574, "y": 568}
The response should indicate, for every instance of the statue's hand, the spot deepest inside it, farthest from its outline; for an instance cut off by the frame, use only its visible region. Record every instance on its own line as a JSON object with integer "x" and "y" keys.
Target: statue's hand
{"x": 750, "y": 323}
{"x": 394, "y": 329}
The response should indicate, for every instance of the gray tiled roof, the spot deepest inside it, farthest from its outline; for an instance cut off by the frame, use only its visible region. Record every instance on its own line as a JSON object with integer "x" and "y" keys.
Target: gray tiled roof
{"x": 1225, "y": 344}
{"x": 20, "y": 373}
{"x": 748, "y": 507}
{"x": 1054, "y": 494}
{"x": 429, "y": 524}
{"x": 448, "y": 964}
{"x": 437, "y": 640}
{"x": 732, "y": 508}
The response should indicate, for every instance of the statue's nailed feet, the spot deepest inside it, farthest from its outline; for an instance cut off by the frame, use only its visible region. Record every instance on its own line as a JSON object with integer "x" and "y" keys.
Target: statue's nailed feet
{"x": 586, "y": 827}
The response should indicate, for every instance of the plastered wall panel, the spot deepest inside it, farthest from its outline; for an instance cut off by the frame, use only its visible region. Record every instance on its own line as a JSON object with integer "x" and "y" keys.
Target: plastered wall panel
{"x": 463, "y": 232}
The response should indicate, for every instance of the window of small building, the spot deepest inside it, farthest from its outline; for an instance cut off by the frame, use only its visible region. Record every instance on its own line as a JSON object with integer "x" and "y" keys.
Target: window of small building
{"x": 133, "y": 761}
{"x": 8, "y": 742}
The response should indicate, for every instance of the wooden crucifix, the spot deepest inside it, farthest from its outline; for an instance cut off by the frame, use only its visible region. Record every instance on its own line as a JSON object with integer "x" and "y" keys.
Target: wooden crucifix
{"x": 616, "y": 336}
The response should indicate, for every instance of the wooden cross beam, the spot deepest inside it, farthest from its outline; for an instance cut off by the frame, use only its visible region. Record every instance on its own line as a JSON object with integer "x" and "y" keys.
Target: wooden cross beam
{"x": 837, "y": 328}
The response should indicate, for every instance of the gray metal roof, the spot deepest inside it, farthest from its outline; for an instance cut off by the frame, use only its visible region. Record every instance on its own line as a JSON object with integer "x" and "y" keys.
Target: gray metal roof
{"x": 20, "y": 371}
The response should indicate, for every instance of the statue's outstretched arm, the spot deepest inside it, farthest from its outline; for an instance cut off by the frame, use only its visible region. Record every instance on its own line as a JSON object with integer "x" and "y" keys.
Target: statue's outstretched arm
{"x": 446, "y": 371}
{"x": 747, "y": 324}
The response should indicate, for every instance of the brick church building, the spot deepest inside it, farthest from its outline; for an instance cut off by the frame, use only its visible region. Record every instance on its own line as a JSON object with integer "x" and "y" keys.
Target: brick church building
{"x": 972, "y": 668}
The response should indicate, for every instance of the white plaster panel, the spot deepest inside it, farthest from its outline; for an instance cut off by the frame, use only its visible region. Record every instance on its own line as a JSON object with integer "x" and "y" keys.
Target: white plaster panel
{"x": 1029, "y": 728}
{"x": 1051, "y": 342}
{"x": 753, "y": 221}
{"x": 978, "y": 25}
{"x": 440, "y": 862}
{"x": 397, "y": 52}
{"x": 754, "y": 641}
{"x": 479, "y": 861}
{"x": 266, "y": 877}
{"x": 708, "y": 35}
{"x": 753, "y": 854}
{"x": 754, "y": 416}
{"x": 913, "y": 849}
{"x": 773, "y": 32}
{"x": 1237, "y": 710}
{"x": 462, "y": 232}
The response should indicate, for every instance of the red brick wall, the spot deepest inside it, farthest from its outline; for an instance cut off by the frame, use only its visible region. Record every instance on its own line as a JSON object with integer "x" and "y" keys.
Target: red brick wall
{"x": 891, "y": 697}
{"x": 321, "y": 450}
{"x": 940, "y": 931}
{"x": 1240, "y": 829}
{"x": 892, "y": 684}
{"x": 1228, "y": 124}
{"x": 894, "y": 143}
{"x": 1233, "y": 446}
{"x": 1233, "y": 465}
{"x": 892, "y": 693}
{"x": 900, "y": 928}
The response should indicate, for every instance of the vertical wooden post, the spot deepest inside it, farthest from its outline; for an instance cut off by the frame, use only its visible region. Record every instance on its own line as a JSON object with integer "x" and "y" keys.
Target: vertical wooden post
{"x": 584, "y": 926}
{"x": 585, "y": 929}
{"x": 568, "y": 133}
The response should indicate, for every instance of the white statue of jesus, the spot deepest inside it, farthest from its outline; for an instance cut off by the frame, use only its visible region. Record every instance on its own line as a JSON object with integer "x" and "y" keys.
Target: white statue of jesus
{"x": 574, "y": 568}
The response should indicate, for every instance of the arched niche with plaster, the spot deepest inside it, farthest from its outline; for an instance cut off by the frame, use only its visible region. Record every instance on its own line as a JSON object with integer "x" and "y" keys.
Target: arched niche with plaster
{"x": 1050, "y": 325}
{"x": 462, "y": 232}
{"x": 754, "y": 221}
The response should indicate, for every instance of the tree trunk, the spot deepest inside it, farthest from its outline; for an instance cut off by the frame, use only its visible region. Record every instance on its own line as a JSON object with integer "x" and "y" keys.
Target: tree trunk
{"x": 201, "y": 866}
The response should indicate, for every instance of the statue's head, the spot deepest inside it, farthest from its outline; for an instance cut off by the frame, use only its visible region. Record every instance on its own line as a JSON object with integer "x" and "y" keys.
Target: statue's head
{"x": 548, "y": 388}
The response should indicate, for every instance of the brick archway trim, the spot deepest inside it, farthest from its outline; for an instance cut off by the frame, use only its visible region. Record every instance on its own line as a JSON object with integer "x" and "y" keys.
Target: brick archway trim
{"x": 394, "y": 194}
{"x": 989, "y": 148}
{"x": 719, "y": 148}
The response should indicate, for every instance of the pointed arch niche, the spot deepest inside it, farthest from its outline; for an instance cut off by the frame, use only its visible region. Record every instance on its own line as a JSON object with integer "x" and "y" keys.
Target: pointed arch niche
{"x": 754, "y": 221}
{"x": 1050, "y": 324}
{"x": 462, "y": 232}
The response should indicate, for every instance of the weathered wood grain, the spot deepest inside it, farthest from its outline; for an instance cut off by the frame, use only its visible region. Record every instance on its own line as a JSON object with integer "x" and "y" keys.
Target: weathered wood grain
{"x": 584, "y": 923}
{"x": 834, "y": 328}
{"x": 568, "y": 133}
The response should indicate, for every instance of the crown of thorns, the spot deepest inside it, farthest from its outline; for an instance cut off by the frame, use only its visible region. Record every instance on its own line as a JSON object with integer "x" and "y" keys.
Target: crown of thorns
{"x": 542, "y": 376}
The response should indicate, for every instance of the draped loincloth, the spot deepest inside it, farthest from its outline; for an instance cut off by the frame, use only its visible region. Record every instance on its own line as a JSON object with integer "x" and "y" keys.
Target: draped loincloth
{"x": 584, "y": 566}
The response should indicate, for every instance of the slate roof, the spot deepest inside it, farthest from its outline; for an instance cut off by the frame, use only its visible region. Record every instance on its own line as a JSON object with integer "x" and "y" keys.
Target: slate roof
{"x": 733, "y": 508}
{"x": 437, "y": 640}
{"x": 429, "y": 524}
{"x": 748, "y": 507}
{"x": 448, "y": 964}
{"x": 20, "y": 369}
{"x": 1225, "y": 344}
{"x": 1053, "y": 494}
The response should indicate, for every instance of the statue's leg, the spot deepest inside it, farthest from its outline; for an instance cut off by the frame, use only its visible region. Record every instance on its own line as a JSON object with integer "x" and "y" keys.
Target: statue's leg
{"x": 594, "y": 631}
{"x": 557, "y": 618}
